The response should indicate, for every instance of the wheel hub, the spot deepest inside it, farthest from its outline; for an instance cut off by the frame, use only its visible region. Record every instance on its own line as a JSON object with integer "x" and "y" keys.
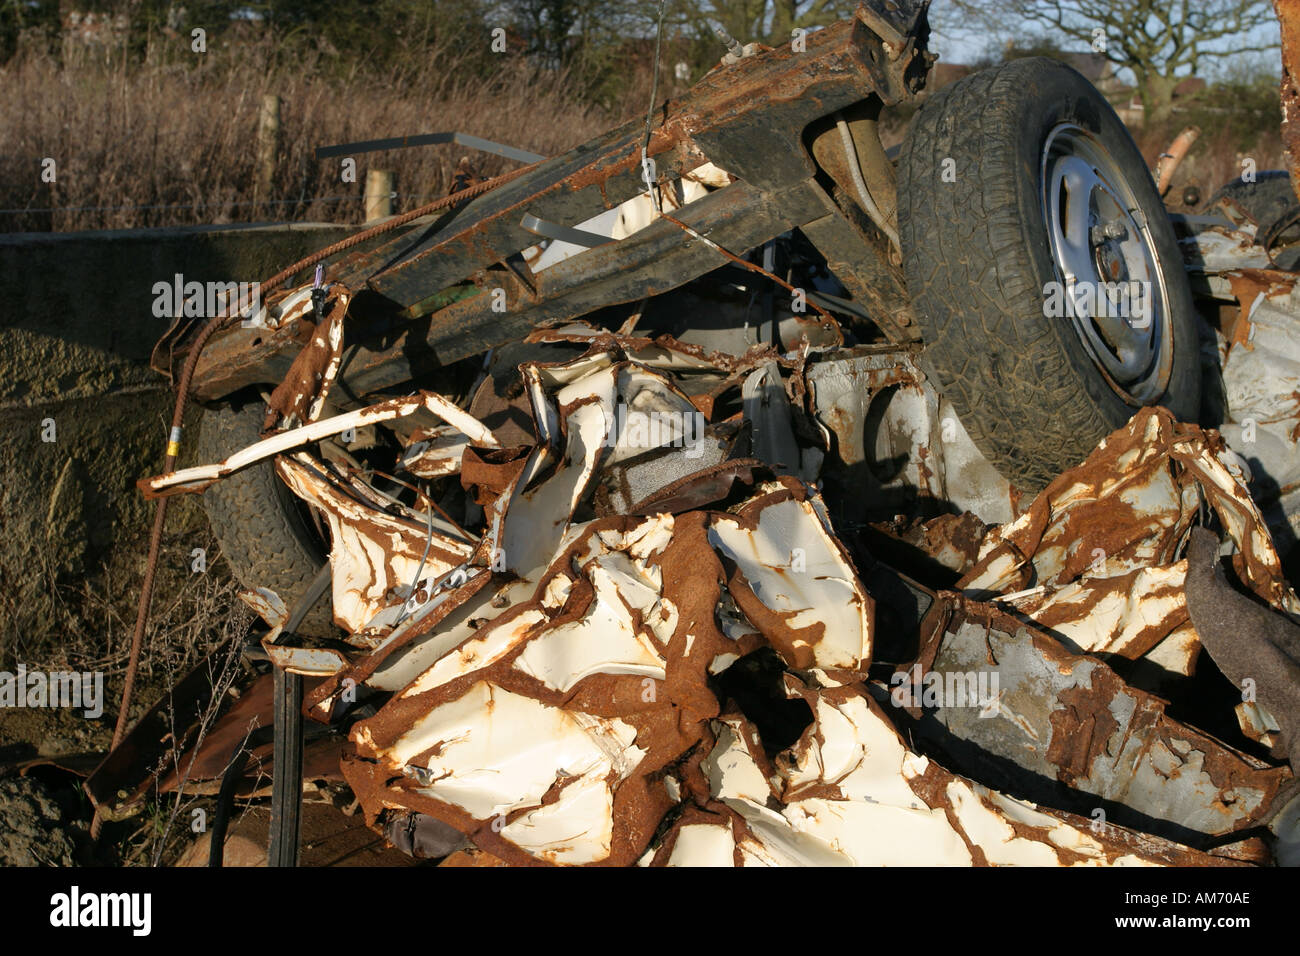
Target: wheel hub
{"x": 1110, "y": 261}
{"x": 1107, "y": 265}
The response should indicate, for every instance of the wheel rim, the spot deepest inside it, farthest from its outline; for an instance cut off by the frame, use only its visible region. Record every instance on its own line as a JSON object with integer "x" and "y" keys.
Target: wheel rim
{"x": 1111, "y": 286}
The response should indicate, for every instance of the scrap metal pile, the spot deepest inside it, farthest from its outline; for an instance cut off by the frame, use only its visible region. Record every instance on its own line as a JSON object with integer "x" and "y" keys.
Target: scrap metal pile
{"x": 634, "y": 572}
{"x": 652, "y": 645}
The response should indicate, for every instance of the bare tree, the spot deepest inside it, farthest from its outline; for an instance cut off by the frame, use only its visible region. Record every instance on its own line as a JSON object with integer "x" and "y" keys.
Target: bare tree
{"x": 564, "y": 32}
{"x": 1161, "y": 41}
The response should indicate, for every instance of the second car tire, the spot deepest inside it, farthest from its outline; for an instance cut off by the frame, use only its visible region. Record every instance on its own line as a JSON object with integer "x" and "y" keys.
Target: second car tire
{"x": 264, "y": 532}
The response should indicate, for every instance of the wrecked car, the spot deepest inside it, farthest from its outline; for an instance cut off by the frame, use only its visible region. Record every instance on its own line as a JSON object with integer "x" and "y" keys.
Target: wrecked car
{"x": 732, "y": 490}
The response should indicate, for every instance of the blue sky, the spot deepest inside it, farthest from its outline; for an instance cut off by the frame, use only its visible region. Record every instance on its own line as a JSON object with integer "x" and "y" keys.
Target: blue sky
{"x": 968, "y": 44}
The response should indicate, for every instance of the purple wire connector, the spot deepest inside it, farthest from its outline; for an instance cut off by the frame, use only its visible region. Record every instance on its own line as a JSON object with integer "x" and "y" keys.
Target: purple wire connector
{"x": 318, "y": 292}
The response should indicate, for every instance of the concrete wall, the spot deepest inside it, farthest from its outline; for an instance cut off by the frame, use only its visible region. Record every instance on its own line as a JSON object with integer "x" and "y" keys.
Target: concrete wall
{"x": 76, "y": 330}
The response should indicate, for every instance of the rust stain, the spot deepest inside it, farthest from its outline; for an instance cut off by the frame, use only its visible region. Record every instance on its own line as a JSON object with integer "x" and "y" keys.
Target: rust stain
{"x": 1288, "y": 14}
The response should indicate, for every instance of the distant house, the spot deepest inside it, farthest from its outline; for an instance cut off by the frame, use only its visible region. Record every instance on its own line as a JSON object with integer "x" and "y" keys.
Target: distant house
{"x": 1132, "y": 112}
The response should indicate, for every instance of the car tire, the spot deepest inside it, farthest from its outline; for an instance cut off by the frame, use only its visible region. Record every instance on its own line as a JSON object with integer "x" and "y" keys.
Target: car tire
{"x": 977, "y": 228}
{"x": 265, "y": 534}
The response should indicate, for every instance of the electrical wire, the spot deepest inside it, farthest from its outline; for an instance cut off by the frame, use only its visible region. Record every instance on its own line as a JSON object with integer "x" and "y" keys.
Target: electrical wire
{"x": 650, "y": 112}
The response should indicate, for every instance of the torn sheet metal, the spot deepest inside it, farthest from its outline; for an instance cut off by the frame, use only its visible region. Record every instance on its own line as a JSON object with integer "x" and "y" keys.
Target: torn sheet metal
{"x": 307, "y": 661}
{"x": 202, "y": 476}
{"x": 1259, "y": 359}
{"x": 490, "y": 751}
{"x": 550, "y": 680}
{"x": 649, "y": 586}
{"x": 1126, "y": 614}
{"x": 598, "y": 409}
{"x": 610, "y": 642}
{"x": 1261, "y": 377}
{"x": 953, "y": 541}
{"x": 435, "y": 452}
{"x": 1130, "y": 505}
{"x": 301, "y": 395}
{"x": 998, "y": 694}
{"x": 794, "y": 581}
{"x": 1096, "y": 560}
{"x": 596, "y": 658}
{"x": 630, "y": 216}
{"x": 373, "y": 554}
{"x": 541, "y": 665}
{"x": 850, "y": 792}
{"x": 895, "y": 440}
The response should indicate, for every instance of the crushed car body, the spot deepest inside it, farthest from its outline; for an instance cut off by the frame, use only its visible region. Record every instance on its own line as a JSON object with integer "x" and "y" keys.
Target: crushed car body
{"x": 648, "y": 568}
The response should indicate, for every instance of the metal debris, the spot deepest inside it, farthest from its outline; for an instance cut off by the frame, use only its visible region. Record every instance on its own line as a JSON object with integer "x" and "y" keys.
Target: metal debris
{"x": 550, "y": 680}
{"x": 747, "y": 593}
{"x": 1085, "y": 737}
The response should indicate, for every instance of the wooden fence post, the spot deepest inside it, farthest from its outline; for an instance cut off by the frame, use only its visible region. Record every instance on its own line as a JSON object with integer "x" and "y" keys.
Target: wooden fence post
{"x": 379, "y": 194}
{"x": 268, "y": 145}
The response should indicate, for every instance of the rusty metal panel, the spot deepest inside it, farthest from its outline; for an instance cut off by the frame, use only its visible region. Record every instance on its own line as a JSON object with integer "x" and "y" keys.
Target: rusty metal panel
{"x": 998, "y": 693}
{"x": 1288, "y": 14}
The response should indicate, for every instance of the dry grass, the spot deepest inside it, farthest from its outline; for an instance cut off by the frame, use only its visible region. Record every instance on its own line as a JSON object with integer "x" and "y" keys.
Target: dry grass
{"x": 164, "y": 836}
{"x": 183, "y": 133}
{"x": 172, "y": 140}
{"x": 85, "y": 624}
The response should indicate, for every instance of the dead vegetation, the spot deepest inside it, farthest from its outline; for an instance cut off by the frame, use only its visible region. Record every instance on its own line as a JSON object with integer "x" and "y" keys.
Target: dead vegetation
{"x": 84, "y": 624}
{"x": 191, "y": 130}
{"x": 163, "y": 143}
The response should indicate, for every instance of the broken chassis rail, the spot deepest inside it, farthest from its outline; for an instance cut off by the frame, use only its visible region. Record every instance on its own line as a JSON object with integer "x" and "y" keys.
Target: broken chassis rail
{"x": 757, "y": 119}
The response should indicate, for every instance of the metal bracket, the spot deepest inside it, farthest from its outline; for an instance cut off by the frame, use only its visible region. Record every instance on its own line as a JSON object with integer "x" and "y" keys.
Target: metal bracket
{"x": 429, "y": 139}
{"x": 553, "y": 230}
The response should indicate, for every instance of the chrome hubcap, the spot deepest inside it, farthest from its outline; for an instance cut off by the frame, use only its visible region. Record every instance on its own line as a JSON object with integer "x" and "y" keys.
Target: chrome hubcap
{"x": 1111, "y": 285}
